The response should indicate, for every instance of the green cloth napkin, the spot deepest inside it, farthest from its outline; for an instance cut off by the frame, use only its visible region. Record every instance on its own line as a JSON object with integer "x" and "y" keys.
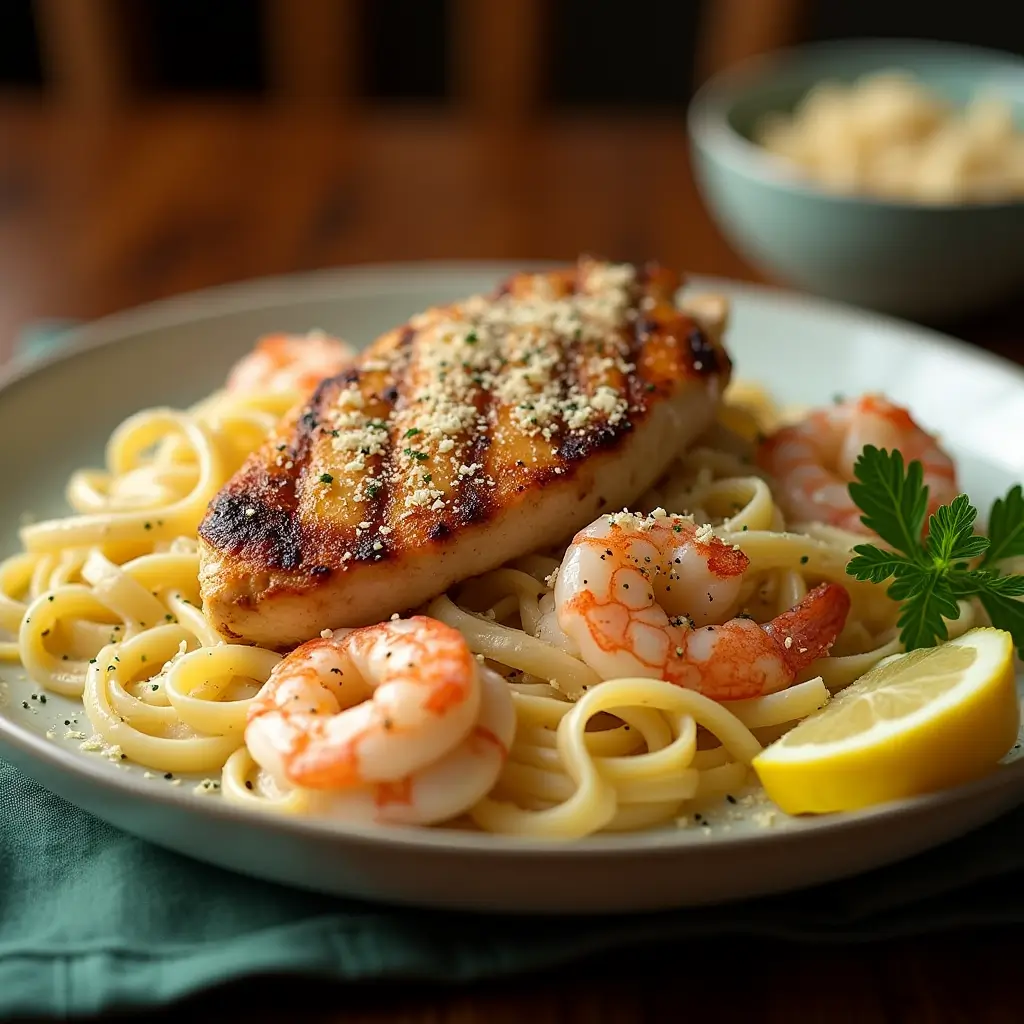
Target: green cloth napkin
{"x": 92, "y": 919}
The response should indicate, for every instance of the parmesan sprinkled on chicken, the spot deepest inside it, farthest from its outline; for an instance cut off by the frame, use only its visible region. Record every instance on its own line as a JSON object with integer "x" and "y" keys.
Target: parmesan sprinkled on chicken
{"x": 472, "y": 434}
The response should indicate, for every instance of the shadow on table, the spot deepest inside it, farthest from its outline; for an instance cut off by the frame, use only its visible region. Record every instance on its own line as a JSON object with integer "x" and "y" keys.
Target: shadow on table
{"x": 966, "y": 975}
{"x": 999, "y": 329}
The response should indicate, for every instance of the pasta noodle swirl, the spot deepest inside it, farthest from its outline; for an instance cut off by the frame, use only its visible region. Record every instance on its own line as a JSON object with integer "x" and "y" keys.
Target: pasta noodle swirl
{"x": 103, "y": 606}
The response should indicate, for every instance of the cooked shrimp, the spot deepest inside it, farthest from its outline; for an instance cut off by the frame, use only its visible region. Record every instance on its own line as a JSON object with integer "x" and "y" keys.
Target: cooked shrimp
{"x": 812, "y": 461}
{"x": 395, "y": 722}
{"x": 290, "y": 362}
{"x": 640, "y": 596}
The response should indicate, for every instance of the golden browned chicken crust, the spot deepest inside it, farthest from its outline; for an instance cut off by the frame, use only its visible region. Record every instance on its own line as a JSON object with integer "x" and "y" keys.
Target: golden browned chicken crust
{"x": 470, "y": 435}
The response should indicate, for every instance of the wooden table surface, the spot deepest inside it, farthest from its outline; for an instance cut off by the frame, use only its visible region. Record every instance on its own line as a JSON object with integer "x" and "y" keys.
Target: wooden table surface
{"x": 97, "y": 216}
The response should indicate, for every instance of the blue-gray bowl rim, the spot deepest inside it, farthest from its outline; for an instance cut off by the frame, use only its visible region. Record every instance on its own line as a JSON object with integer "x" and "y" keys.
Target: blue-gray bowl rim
{"x": 709, "y": 126}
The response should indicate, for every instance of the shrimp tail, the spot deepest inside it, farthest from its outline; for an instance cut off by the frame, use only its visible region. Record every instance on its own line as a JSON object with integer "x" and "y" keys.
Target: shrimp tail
{"x": 806, "y": 631}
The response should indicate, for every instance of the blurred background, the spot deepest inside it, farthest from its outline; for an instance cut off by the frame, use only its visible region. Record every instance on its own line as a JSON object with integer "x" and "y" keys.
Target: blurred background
{"x": 149, "y": 147}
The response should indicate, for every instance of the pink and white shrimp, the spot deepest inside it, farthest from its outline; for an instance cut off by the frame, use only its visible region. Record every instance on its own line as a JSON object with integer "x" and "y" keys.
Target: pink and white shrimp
{"x": 651, "y": 596}
{"x": 395, "y": 723}
{"x": 812, "y": 461}
{"x": 290, "y": 362}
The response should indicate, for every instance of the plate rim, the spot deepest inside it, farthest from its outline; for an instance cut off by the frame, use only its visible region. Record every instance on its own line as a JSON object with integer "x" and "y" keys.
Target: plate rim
{"x": 295, "y": 289}
{"x": 663, "y": 841}
{"x": 257, "y": 293}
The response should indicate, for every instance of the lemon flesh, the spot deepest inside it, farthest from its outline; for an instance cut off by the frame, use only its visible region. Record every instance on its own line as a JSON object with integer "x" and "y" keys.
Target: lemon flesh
{"x": 915, "y": 723}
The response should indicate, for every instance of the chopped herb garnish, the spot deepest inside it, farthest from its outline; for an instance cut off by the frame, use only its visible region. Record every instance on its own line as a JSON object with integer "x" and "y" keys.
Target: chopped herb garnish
{"x": 471, "y": 338}
{"x": 373, "y": 490}
{"x": 929, "y": 576}
{"x": 414, "y": 454}
{"x": 412, "y": 432}
{"x": 326, "y": 478}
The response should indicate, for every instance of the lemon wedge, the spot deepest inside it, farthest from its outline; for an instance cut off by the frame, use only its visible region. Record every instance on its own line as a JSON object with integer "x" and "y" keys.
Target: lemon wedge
{"x": 914, "y": 724}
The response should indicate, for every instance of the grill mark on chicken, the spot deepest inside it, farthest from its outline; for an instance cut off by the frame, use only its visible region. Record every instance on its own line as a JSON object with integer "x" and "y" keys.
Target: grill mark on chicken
{"x": 473, "y": 495}
{"x": 452, "y": 419}
{"x": 271, "y": 533}
{"x": 470, "y": 498}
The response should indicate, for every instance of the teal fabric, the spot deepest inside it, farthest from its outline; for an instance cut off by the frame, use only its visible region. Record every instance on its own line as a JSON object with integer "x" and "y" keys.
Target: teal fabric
{"x": 92, "y": 919}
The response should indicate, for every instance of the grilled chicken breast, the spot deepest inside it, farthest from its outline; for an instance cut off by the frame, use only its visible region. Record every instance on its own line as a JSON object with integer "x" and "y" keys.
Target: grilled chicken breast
{"x": 471, "y": 435}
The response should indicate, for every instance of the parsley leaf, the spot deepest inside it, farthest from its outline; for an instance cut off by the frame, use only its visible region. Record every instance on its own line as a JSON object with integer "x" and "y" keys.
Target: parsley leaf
{"x": 971, "y": 583}
{"x": 874, "y": 564}
{"x": 1006, "y": 613}
{"x": 893, "y": 499}
{"x": 929, "y": 577}
{"x": 1006, "y": 527}
{"x": 951, "y": 532}
{"x": 921, "y": 617}
{"x": 911, "y": 582}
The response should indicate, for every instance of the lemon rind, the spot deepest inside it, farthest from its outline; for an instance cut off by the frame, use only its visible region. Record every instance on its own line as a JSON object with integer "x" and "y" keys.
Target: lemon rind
{"x": 994, "y": 663}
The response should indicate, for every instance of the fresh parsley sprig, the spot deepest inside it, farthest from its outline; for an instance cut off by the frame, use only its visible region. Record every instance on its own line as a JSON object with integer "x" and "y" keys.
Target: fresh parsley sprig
{"x": 930, "y": 576}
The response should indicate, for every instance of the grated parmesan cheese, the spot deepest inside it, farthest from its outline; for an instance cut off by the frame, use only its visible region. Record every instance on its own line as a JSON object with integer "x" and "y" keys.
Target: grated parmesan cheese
{"x": 553, "y": 365}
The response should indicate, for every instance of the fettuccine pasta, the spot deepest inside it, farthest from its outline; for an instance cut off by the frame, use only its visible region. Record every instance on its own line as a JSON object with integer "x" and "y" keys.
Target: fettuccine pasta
{"x": 103, "y": 606}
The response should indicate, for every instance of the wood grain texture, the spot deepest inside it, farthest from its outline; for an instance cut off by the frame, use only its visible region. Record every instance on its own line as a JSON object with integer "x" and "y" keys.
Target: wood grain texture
{"x": 98, "y": 215}
{"x": 499, "y": 53}
{"x": 312, "y": 50}
{"x": 949, "y": 979}
{"x": 87, "y": 51}
{"x": 733, "y": 30}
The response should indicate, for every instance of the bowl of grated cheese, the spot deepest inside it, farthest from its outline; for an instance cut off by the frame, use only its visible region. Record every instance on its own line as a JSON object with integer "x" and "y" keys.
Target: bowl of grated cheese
{"x": 888, "y": 174}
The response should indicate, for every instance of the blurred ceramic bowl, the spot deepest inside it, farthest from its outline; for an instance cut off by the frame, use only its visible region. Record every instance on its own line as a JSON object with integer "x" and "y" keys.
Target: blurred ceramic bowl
{"x": 927, "y": 262}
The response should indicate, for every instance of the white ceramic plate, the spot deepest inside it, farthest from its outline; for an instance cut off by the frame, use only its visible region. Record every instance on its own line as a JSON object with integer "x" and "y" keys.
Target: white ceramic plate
{"x": 177, "y": 351}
